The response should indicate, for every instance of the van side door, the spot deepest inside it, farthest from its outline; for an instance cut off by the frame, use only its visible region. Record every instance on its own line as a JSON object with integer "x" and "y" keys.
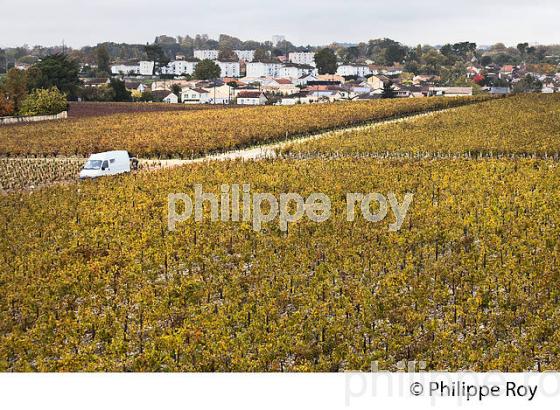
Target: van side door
{"x": 105, "y": 167}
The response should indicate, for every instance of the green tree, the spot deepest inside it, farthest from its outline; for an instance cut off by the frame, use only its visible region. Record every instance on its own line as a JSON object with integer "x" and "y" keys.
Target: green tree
{"x": 325, "y": 59}
{"x": 119, "y": 91}
{"x": 394, "y": 54}
{"x": 207, "y": 70}
{"x": 176, "y": 89}
{"x": 103, "y": 60}
{"x": 156, "y": 54}
{"x": 58, "y": 71}
{"x": 44, "y": 102}
{"x": 388, "y": 91}
{"x": 227, "y": 54}
{"x": 146, "y": 96}
{"x": 261, "y": 55}
{"x": 528, "y": 84}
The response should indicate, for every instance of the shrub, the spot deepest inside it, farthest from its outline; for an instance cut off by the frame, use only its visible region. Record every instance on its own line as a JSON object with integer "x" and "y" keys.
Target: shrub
{"x": 44, "y": 102}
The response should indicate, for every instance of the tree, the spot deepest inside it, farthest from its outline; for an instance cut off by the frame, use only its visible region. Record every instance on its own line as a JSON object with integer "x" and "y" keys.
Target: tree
{"x": 325, "y": 59}
{"x": 146, "y": 96}
{"x": 227, "y": 54}
{"x": 528, "y": 84}
{"x": 44, "y": 102}
{"x": 388, "y": 91}
{"x": 261, "y": 55}
{"x": 156, "y": 54}
{"x": 522, "y": 48}
{"x": 58, "y": 71}
{"x": 486, "y": 60}
{"x": 394, "y": 54}
{"x": 3, "y": 61}
{"x": 176, "y": 89}
{"x": 207, "y": 70}
{"x": 6, "y": 104}
{"x": 15, "y": 87}
{"x": 350, "y": 54}
{"x": 119, "y": 91}
{"x": 103, "y": 60}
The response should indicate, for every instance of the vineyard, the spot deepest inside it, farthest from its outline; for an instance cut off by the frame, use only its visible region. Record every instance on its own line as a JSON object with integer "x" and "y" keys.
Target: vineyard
{"x": 524, "y": 125}
{"x": 96, "y": 109}
{"x": 188, "y": 134}
{"x": 92, "y": 279}
{"x": 30, "y": 173}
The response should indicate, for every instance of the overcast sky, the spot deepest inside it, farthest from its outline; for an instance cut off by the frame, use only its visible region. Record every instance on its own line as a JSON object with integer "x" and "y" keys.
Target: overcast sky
{"x": 315, "y": 22}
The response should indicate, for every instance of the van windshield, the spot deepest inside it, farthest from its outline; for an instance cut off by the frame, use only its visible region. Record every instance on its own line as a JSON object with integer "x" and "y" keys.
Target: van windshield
{"x": 93, "y": 164}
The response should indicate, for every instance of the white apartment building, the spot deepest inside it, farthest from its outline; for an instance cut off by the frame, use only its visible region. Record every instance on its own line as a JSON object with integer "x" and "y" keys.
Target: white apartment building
{"x": 258, "y": 69}
{"x": 296, "y": 70}
{"x": 206, "y": 54}
{"x": 180, "y": 67}
{"x": 358, "y": 70}
{"x": 307, "y": 58}
{"x": 245, "y": 55}
{"x": 229, "y": 68}
{"x": 147, "y": 67}
{"x": 125, "y": 69}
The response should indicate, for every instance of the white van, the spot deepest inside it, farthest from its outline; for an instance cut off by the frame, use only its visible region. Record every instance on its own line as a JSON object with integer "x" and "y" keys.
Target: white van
{"x": 106, "y": 163}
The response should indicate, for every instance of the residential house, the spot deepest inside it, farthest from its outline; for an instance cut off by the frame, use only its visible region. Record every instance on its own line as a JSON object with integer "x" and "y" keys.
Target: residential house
{"x": 159, "y": 95}
{"x": 377, "y": 82}
{"x": 506, "y": 71}
{"x": 251, "y": 98}
{"x": 304, "y": 79}
{"x": 305, "y": 58}
{"x": 282, "y": 86}
{"x": 135, "y": 87}
{"x": 302, "y": 97}
{"x": 171, "y": 99}
{"x": 357, "y": 88}
{"x": 195, "y": 96}
{"x": 410, "y": 91}
{"x": 206, "y": 54}
{"x": 472, "y": 71}
{"x": 222, "y": 94}
{"x": 327, "y": 92}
